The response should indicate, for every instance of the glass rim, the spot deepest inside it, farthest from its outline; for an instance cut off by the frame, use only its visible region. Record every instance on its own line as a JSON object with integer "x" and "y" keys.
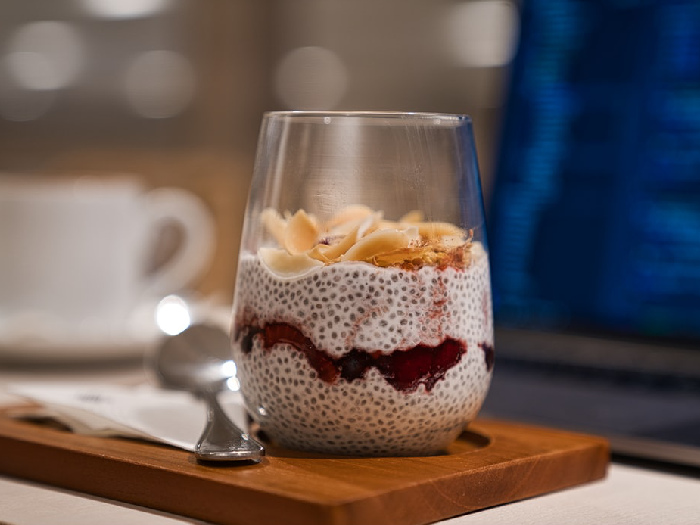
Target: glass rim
{"x": 320, "y": 114}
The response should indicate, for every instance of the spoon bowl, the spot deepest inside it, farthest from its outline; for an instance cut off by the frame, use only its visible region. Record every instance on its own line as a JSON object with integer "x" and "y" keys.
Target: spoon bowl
{"x": 198, "y": 360}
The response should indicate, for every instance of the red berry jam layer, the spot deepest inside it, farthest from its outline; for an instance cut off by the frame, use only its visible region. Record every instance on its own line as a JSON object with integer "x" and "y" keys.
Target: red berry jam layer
{"x": 402, "y": 369}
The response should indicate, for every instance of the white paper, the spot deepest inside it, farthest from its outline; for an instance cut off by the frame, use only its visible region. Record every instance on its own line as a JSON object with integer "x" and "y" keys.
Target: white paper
{"x": 146, "y": 412}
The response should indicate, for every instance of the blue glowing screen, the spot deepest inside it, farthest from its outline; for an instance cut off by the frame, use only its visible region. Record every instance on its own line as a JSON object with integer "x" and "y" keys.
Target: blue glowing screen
{"x": 594, "y": 221}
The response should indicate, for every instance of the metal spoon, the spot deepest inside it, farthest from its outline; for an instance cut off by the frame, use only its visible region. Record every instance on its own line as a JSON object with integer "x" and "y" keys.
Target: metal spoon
{"x": 198, "y": 360}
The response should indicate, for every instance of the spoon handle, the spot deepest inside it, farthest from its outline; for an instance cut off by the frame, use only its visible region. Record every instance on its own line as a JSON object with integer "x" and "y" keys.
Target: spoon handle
{"x": 222, "y": 440}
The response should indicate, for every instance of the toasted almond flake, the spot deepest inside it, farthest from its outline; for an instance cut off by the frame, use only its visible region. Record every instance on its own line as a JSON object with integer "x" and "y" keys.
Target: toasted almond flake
{"x": 335, "y": 251}
{"x": 413, "y": 216}
{"x": 365, "y": 225}
{"x": 301, "y": 233}
{"x": 378, "y": 242}
{"x": 392, "y": 225}
{"x": 341, "y": 230}
{"x": 400, "y": 256}
{"x": 349, "y": 214}
{"x": 451, "y": 241}
{"x": 369, "y": 224}
{"x": 319, "y": 252}
{"x": 284, "y": 264}
{"x": 274, "y": 223}
{"x": 434, "y": 230}
{"x": 359, "y": 234}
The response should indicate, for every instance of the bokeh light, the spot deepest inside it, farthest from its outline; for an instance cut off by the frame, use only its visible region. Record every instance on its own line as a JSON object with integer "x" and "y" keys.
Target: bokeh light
{"x": 483, "y": 33}
{"x": 124, "y": 9}
{"x": 45, "y": 55}
{"x": 311, "y": 78}
{"x": 159, "y": 84}
{"x": 172, "y": 315}
{"x": 229, "y": 369}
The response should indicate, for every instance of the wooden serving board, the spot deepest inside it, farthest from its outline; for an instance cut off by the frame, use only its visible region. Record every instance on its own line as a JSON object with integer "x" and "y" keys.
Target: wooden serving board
{"x": 495, "y": 462}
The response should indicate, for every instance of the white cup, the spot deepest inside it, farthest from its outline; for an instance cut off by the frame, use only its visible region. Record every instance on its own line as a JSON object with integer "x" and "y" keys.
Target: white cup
{"x": 74, "y": 253}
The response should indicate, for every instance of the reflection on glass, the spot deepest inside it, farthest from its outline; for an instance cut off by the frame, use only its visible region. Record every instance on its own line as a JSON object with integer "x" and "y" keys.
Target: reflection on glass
{"x": 122, "y": 9}
{"x": 172, "y": 315}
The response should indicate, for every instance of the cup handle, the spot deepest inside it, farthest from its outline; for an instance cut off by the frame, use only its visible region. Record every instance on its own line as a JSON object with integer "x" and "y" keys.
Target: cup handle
{"x": 194, "y": 252}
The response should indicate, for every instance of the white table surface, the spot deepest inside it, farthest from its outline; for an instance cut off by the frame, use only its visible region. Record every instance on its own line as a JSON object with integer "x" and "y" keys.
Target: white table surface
{"x": 630, "y": 494}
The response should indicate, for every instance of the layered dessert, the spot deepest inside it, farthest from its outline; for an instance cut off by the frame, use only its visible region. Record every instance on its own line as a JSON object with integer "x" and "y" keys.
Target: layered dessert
{"x": 362, "y": 335}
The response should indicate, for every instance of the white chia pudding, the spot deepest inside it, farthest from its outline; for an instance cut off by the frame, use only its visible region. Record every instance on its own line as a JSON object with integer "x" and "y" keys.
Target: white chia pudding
{"x": 353, "y": 358}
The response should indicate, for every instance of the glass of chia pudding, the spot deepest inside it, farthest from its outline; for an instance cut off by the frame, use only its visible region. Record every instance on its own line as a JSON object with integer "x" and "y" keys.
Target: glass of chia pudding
{"x": 362, "y": 320}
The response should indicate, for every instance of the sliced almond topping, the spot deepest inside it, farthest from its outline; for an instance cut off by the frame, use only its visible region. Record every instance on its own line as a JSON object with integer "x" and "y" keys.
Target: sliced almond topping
{"x": 391, "y": 225}
{"x": 349, "y": 214}
{"x": 451, "y": 241}
{"x": 301, "y": 233}
{"x": 400, "y": 257}
{"x": 319, "y": 252}
{"x": 413, "y": 216}
{"x": 336, "y": 250}
{"x": 357, "y": 233}
{"x": 363, "y": 226}
{"x": 369, "y": 224}
{"x": 434, "y": 230}
{"x": 342, "y": 229}
{"x": 284, "y": 264}
{"x": 378, "y": 242}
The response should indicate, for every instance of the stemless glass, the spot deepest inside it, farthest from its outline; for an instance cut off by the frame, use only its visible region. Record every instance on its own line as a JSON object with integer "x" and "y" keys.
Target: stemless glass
{"x": 362, "y": 310}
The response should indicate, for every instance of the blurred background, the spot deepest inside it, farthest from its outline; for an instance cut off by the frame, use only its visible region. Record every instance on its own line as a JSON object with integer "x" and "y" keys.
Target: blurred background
{"x": 587, "y": 123}
{"x": 174, "y": 90}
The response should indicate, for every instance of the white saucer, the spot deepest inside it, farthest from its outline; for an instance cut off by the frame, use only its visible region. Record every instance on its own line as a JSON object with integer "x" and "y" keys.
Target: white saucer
{"x": 35, "y": 343}
{"x": 49, "y": 353}
{"x": 49, "y": 346}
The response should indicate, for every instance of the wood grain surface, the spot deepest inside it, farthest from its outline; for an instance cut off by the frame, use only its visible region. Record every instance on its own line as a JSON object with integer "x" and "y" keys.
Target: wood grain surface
{"x": 493, "y": 463}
